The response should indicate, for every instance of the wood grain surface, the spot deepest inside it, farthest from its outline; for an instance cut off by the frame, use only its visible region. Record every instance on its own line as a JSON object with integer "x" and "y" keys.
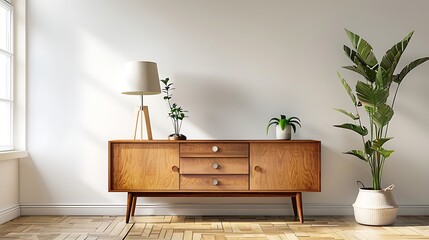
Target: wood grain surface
{"x": 207, "y": 165}
{"x": 206, "y": 149}
{"x": 137, "y": 166}
{"x": 276, "y": 166}
{"x": 205, "y": 182}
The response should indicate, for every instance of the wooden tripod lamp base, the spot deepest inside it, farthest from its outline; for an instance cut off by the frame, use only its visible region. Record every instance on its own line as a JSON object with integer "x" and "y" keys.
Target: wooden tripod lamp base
{"x": 143, "y": 110}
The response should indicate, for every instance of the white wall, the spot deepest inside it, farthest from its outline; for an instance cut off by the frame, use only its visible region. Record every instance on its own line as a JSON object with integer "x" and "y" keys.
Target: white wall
{"x": 235, "y": 65}
{"x": 9, "y": 193}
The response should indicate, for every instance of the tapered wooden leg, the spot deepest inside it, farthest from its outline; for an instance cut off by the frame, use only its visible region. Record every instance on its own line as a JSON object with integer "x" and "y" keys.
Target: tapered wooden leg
{"x": 133, "y": 206}
{"x": 295, "y": 212}
{"x": 299, "y": 207}
{"x": 147, "y": 120}
{"x": 129, "y": 202}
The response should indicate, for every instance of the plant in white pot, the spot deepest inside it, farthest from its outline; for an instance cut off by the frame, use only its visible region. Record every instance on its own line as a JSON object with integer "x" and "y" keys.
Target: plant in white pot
{"x": 374, "y": 206}
{"x": 284, "y": 126}
{"x": 177, "y": 113}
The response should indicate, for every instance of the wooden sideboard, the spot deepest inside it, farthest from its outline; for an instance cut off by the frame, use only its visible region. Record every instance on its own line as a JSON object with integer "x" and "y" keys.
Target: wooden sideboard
{"x": 214, "y": 168}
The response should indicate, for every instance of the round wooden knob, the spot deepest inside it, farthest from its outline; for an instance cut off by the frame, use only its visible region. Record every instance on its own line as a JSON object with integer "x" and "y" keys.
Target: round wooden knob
{"x": 215, "y": 165}
{"x": 215, "y": 148}
{"x": 258, "y": 168}
{"x": 175, "y": 168}
{"x": 215, "y": 182}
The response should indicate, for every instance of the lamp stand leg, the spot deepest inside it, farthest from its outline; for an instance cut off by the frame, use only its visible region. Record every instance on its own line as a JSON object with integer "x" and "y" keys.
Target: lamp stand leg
{"x": 139, "y": 122}
{"x": 147, "y": 120}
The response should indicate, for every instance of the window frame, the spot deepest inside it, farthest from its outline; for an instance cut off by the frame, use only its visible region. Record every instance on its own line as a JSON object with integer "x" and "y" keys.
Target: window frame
{"x": 9, "y": 53}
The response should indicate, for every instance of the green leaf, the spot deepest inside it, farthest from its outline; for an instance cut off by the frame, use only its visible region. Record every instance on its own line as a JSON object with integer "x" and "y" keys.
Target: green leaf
{"x": 351, "y": 115}
{"x": 275, "y": 120}
{"x": 353, "y": 55}
{"x": 369, "y": 110}
{"x": 363, "y": 131}
{"x": 269, "y": 124}
{"x": 398, "y": 78}
{"x": 348, "y": 89}
{"x": 363, "y": 49}
{"x": 394, "y": 54}
{"x": 385, "y": 153}
{"x": 377, "y": 143}
{"x": 293, "y": 127}
{"x": 294, "y": 118}
{"x": 361, "y": 67}
{"x": 292, "y": 122}
{"x": 383, "y": 115}
{"x": 283, "y": 123}
{"x": 382, "y": 78}
{"x": 369, "y": 95}
{"x": 368, "y": 148}
{"x": 358, "y": 153}
{"x": 354, "y": 69}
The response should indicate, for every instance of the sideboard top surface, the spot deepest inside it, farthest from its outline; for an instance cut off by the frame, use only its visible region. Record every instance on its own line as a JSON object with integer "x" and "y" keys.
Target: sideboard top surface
{"x": 213, "y": 141}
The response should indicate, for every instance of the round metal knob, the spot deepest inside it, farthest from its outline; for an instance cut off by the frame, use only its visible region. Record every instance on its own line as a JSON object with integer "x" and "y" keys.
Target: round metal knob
{"x": 258, "y": 168}
{"x": 215, "y": 165}
{"x": 175, "y": 168}
{"x": 215, "y": 182}
{"x": 215, "y": 148}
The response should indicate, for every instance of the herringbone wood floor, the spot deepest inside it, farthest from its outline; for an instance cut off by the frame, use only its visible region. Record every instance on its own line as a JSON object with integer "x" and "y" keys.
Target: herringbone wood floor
{"x": 210, "y": 227}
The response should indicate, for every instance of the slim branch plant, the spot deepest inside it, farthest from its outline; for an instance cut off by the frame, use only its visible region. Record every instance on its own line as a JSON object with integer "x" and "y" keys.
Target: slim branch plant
{"x": 177, "y": 113}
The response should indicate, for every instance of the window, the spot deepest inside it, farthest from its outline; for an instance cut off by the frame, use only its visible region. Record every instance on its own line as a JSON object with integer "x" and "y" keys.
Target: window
{"x": 6, "y": 95}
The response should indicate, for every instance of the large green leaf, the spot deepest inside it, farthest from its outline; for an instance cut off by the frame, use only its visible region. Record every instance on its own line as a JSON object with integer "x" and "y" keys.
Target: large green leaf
{"x": 383, "y": 80}
{"x": 392, "y": 56}
{"x": 377, "y": 143}
{"x": 363, "y": 131}
{"x": 353, "y": 55}
{"x": 358, "y": 153}
{"x": 383, "y": 115}
{"x": 363, "y": 48}
{"x": 369, "y": 95}
{"x": 351, "y": 115}
{"x": 348, "y": 89}
{"x": 398, "y": 78}
{"x": 361, "y": 67}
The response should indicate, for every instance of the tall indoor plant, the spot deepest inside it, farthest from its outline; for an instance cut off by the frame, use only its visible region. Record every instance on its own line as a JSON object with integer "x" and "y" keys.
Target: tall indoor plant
{"x": 371, "y": 96}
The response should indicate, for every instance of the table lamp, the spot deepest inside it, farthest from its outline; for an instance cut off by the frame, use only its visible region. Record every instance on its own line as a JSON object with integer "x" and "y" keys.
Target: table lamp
{"x": 141, "y": 78}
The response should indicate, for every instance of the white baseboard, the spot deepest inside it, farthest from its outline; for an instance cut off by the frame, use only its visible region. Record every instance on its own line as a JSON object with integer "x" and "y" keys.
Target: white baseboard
{"x": 203, "y": 209}
{"x": 9, "y": 214}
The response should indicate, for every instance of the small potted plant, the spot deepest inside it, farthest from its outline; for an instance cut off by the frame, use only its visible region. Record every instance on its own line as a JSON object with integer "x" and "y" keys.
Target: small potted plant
{"x": 177, "y": 113}
{"x": 284, "y": 126}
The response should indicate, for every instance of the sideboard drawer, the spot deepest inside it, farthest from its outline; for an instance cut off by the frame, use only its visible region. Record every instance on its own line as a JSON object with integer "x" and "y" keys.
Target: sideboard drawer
{"x": 214, "y": 150}
{"x": 214, "y": 182}
{"x": 214, "y": 165}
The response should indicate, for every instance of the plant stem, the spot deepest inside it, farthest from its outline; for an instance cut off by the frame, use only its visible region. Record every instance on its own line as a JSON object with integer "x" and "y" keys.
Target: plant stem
{"x": 360, "y": 123}
{"x": 393, "y": 104}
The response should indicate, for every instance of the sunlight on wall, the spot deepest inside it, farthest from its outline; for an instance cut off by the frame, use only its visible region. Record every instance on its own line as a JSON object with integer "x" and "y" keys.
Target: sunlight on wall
{"x": 99, "y": 95}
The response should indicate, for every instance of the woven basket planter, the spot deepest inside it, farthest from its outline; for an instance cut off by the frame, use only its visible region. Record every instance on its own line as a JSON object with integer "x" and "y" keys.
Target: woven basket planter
{"x": 375, "y": 207}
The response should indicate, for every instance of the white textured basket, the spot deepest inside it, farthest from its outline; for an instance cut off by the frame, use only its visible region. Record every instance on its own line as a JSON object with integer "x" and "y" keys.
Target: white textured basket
{"x": 375, "y": 207}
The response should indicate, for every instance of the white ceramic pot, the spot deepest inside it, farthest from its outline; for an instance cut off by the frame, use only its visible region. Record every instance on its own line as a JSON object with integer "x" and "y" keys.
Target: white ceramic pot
{"x": 375, "y": 207}
{"x": 283, "y": 134}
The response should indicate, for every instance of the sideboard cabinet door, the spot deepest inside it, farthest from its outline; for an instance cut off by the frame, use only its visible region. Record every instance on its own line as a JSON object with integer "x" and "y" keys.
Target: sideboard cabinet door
{"x": 144, "y": 166}
{"x": 287, "y": 166}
